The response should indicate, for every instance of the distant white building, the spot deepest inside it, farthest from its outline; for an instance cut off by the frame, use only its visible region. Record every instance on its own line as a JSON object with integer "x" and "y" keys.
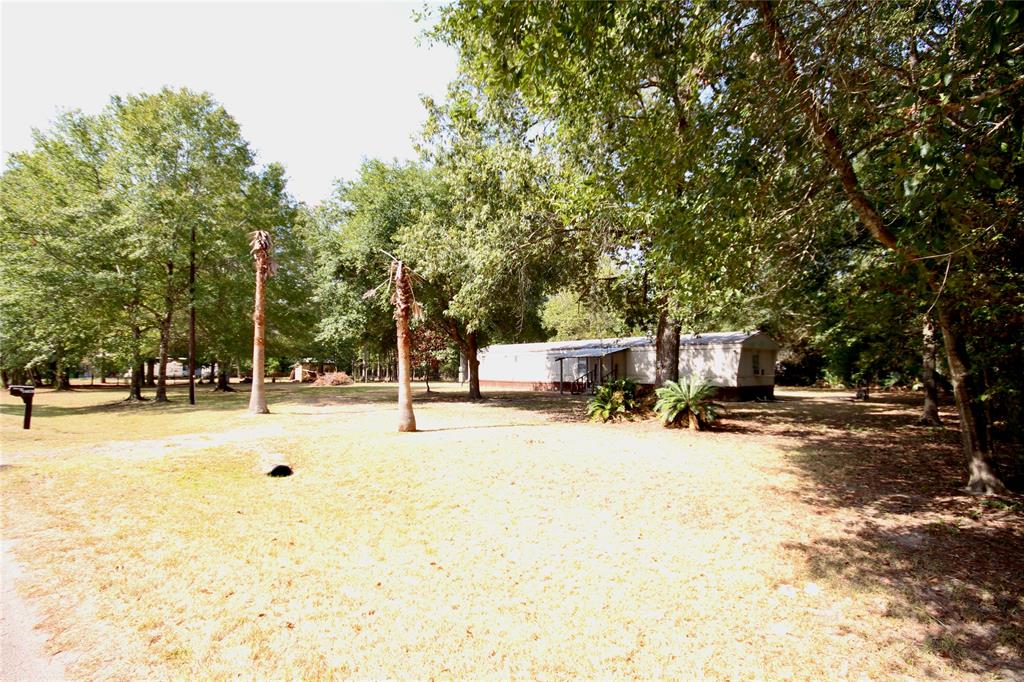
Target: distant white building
{"x": 176, "y": 369}
{"x": 740, "y": 364}
{"x": 308, "y": 369}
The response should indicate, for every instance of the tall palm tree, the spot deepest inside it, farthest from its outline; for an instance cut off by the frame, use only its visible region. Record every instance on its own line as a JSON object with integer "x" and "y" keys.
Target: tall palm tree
{"x": 261, "y": 246}
{"x": 404, "y": 307}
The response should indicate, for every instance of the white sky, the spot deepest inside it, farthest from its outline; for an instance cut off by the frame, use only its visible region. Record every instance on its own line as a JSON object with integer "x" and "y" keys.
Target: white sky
{"x": 315, "y": 86}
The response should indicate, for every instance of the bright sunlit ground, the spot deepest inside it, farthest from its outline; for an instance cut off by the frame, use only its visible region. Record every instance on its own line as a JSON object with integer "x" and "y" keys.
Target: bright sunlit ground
{"x": 811, "y": 538}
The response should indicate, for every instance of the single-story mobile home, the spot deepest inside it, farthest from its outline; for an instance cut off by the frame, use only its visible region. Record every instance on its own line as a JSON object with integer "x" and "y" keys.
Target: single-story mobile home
{"x": 740, "y": 364}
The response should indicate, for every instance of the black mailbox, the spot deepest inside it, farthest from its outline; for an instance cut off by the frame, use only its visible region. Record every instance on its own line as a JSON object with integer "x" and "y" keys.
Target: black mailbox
{"x": 26, "y": 394}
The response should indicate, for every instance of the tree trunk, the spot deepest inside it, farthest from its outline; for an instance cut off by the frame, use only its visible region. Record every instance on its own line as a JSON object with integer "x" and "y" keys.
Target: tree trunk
{"x": 982, "y": 477}
{"x": 61, "y": 379}
{"x": 165, "y": 334}
{"x": 135, "y": 392}
{"x": 150, "y": 372}
{"x": 165, "y": 345}
{"x": 192, "y": 316}
{"x": 403, "y": 310}
{"x": 694, "y": 422}
{"x": 666, "y": 351}
{"x": 930, "y": 413}
{"x": 474, "y": 366}
{"x": 5, "y": 379}
{"x": 258, "y": 396}
{"x": 223, "y": 383}
{"x": 985, "y": 408}
{"x": 825, "y": 132}
{"x": 138, "y": 369}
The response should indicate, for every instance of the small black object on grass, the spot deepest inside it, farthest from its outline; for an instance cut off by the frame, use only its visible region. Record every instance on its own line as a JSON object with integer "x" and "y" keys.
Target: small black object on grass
{"x": 280, "y": 470}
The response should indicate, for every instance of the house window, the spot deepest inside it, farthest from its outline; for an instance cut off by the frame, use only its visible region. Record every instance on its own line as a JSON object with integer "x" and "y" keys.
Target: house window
{"x": 756, "y": 357}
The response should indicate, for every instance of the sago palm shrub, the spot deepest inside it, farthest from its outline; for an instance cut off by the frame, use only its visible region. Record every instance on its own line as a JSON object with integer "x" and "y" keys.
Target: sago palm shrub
{"x": 689, "y": 399}
{"x": 605, "y": 405}
{"x": 614, "y": 399}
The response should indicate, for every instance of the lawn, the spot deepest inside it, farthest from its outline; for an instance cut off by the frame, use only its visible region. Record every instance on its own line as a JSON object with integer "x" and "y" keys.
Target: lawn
{"x": 809, "y": 538}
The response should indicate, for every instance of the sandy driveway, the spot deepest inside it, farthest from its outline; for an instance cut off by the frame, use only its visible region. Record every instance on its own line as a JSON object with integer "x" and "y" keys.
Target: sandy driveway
{"x": 22, "y": 655}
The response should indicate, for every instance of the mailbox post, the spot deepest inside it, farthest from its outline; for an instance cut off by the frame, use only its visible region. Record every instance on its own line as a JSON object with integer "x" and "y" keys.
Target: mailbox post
{"x": 26, "y": 394}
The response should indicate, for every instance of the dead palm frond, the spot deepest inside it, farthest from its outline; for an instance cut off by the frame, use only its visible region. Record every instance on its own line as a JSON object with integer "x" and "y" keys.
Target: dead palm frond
{"x": 261, "y": 247}
{"x": 408, "y": 297}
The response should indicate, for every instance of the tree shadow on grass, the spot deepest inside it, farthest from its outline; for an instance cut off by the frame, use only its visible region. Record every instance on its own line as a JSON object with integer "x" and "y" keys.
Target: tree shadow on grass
{"x": 954, "y": 562}
{"x": 555, "y": 407}
{"x": 206, "y": 399}
{"x": 474, "y": 427}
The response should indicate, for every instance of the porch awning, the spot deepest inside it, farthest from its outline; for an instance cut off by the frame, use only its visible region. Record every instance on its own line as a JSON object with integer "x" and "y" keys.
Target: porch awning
{"x": 592, "y": 352}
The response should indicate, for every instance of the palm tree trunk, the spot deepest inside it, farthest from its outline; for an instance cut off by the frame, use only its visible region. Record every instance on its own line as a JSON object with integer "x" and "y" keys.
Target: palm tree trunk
{"x": 258, "y": 396}
{"x": 262, "y": 251}
{"x": 403, "y": 310}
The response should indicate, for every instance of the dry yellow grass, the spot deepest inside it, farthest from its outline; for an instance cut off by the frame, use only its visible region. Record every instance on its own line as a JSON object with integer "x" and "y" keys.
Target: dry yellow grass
{"x": 504, "y": 540}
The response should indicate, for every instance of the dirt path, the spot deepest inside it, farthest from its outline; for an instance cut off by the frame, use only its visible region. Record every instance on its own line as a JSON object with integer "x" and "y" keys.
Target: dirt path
{"x": 22, "y": 656}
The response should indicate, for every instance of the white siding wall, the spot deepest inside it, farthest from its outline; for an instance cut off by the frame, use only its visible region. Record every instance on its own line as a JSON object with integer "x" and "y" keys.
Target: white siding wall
{"x": 500, "y": 364}
{"x": 762, "y": 341}
{"x": 175, "y": 369}
{"x": 766, "y": 363}
{"x": 640, "y": 364}
{"x": 767, "y": 350}
{"x": 718, "y": 365}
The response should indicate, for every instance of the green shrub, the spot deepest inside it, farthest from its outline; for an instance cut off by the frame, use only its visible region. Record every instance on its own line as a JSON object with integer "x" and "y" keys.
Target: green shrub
{"x": 832, "y": 380}
{"x": 628, "y": 389}
{"x": 615, "y": 398}
{"x": 893, "y": 380}
{"x": 689, "y": 399}
{"x": 606, "y": 404}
